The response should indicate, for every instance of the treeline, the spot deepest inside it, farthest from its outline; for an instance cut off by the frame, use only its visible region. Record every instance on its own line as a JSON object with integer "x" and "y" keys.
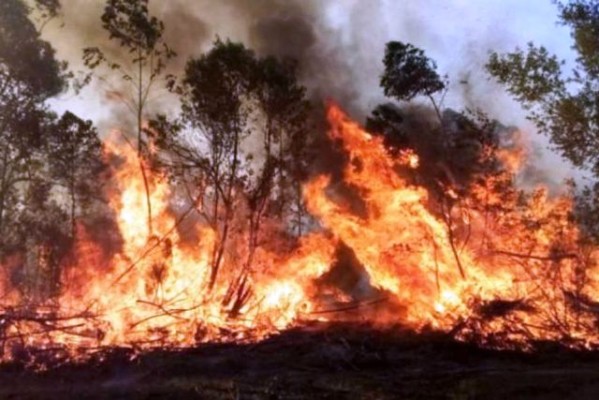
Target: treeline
{"x": 235, "y": 154}
{"x": 48, "y": 162}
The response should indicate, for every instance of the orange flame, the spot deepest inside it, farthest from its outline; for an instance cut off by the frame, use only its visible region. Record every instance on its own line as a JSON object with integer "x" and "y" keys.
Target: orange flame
{"x": 438, "y": 266}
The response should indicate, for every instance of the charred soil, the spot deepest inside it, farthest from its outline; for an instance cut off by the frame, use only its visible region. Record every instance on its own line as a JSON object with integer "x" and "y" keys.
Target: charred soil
{"x": 319, "y": 361}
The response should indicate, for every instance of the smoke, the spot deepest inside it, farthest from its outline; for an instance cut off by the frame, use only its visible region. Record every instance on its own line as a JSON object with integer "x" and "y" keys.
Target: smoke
{"x": 294, "y": 29}
{"x": 339, "y": 47}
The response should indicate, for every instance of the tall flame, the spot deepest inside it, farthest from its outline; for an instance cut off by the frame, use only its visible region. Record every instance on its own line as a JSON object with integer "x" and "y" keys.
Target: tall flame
{"x": 438, "y": 267}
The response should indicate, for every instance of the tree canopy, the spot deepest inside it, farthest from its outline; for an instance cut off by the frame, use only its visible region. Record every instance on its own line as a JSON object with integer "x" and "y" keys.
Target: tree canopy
{"x": 452, "y": 146}
{"x": 409, "y": 72}
{"x": 563, "y": 105}
{"x": 40, "y": 152}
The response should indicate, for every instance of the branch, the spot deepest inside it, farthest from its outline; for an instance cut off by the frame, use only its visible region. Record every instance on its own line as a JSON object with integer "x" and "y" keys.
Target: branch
{"x": 553, "y": 257}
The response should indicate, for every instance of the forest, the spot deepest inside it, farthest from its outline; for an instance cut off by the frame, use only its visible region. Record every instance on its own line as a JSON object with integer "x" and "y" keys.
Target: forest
{"x": 243, "y": 206}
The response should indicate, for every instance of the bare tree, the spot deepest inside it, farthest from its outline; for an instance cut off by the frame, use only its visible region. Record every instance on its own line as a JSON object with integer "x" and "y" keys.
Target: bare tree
{"x": 130, "y": 24}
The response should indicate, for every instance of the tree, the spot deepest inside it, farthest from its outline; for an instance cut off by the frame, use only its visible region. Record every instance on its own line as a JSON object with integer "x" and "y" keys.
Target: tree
{"x": 410, "y": 73}
{"x": 131, "y": 25}
{"x": 453, "y": 151}
{"x": 21, "y": 163}
{"x": 228, "y": 96}
{"x": 563, "y": 106}
{"x": 42, "y": 238}
{"x": 218, "y": 87}
{"x": 26, "y": 58}
{"x": 31, "y": 216}
{"x": 29, "y": 74}
{"x": 286, "y": 122}
{"x": 451, "y": 148}
{"x": 75, "y": 161}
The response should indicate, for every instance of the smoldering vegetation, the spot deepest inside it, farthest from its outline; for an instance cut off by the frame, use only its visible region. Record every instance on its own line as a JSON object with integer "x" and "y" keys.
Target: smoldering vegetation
{"x": 218, "y": 148}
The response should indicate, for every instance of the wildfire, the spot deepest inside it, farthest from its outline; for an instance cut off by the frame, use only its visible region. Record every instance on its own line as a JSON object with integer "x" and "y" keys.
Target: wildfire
{"x": 495, "y": 266}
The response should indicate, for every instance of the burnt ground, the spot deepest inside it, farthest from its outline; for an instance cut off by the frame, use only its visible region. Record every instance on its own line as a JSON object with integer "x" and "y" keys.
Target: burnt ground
{"x": 334, "y": 362}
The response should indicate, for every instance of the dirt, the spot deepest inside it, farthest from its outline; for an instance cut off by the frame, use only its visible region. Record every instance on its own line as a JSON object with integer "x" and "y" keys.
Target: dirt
{"x": 317, "y": 362}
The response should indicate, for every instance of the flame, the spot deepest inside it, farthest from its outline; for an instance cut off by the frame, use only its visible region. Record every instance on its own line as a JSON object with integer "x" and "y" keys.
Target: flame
{"x": 439, "y": 263}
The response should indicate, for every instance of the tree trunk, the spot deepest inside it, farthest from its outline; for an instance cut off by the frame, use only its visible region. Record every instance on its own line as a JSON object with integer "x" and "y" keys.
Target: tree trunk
{"x": 73, "y": 209}
{"x": 228, "y": 204}
{"x": 140, "y": 108}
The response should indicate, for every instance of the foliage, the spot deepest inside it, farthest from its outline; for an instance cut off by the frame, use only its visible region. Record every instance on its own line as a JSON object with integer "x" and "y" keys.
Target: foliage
{"x": 75, "y": 160}
{"x": 21, "y": 163}
{"x": 25, "y": 57}
{"x": 130, "y": 24}
{"x": 409, "y": 73}
{"x": 38, "y": 153}
{"x": 563, "y": 106}
{"x": 452, "y": 150}
{"x": 230, "y": 97}
{"x": 285, "y": 109}
{"x": 29, "y": 74}
{"x": 531, "y": 76}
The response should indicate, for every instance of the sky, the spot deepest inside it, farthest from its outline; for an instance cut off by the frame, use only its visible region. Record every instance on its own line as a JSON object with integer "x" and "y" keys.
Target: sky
{"x": 458, "y": 34}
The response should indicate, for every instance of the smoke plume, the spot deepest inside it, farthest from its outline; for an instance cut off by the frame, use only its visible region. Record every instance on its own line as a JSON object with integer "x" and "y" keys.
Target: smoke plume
{"x": 338, "y": 45}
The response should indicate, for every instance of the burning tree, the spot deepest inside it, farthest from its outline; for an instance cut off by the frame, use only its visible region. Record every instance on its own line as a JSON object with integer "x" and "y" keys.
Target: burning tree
{"x": 29, "y": 75}
{"x": 141, "y": 36}
{"x": 230, "y": 98}
{"x": 562, "y": 105}
{"x": 75, "y": 163}
{"x": 32, "y": 231}
{"x": 41, "y": 154}
{"x": 425, "y": 213}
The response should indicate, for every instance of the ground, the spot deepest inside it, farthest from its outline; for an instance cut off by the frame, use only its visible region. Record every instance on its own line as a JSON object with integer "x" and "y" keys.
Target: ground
{"x": 332, "y": 362}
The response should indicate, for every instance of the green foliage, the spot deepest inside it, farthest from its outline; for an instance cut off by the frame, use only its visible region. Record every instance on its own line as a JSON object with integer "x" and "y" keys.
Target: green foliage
{"x": 29, "y": 74}
{"x": 283, "y": 103}
{"x": 530, "y": 76}
{"x": 582, "y": 16}
{"x": 22, "y": 142}
{"x": 409, "y": 73}
{"x": 278, "y": 91}
{"x": 217, "y": 84}
{"x": 228, "y": 95}
{"x": 39, "y": 152}
{"x": 563, "y": 106}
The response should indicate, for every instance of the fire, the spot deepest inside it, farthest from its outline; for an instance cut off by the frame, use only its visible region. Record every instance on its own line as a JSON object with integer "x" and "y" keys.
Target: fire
{"x": 490, "y": 263}
{"x": 413, "y": 253}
